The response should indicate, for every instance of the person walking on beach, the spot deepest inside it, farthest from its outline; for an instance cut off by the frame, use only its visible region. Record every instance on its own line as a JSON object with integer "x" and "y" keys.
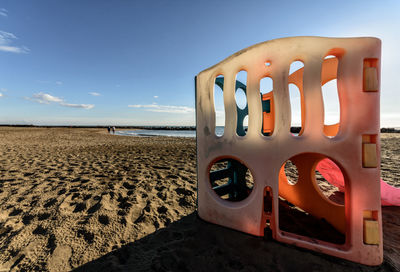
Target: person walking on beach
{"x": 109, "y": 129}
{"x": 113, "y": 130}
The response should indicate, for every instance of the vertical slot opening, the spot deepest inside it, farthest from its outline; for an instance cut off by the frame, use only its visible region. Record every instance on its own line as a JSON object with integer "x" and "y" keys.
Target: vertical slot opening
{"x": 219, "y": 107}
{"x": 295, "y": 97}
{"x": 268, "y": 211}
{"x": 268, "y": 200}
{"x": 267, "y": 105}
{"x": 330, "y": 96}
{"x": 241, "y": 101}
{"x": 295, "y": 105}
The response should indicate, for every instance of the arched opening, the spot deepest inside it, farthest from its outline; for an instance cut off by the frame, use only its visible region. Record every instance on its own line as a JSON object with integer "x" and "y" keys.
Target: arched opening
{"x": 308, "y": 204}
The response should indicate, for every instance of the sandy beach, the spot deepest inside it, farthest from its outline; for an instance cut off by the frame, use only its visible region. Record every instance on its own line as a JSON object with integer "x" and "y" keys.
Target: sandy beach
{"x": 80, "y": 199}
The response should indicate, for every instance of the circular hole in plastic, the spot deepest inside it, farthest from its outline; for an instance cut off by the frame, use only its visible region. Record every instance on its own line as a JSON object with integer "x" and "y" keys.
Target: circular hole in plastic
{"x": 231, "y": 180}
{"x": 291, "y": 172}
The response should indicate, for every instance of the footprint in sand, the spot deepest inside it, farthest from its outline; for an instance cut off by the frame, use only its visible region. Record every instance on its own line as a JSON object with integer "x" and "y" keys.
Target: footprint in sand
{"x": 59, "y": 260}
{"x": 40, "y": 231}
{"x": 15, "y": 212}
{"x": 26, "y": 219}
{"x": 87, "y": 235}
{"x": 103, "y": 219}
{"x": 43, "y": 216}
{"x": 94, "y": 208}
{"x": 50, "y": 203}
{"x": 129, "y": 186}
{"x": 79, "y": 207}
{"x": 66, "y": 206}
{"x": 183, "y": 191}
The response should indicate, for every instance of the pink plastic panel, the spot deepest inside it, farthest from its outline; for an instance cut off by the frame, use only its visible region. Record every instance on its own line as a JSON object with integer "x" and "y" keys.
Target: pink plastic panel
{"x": 358, "y": 79}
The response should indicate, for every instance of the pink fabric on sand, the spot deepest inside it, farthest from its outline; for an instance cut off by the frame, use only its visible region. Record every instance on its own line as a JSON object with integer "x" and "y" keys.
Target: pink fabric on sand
{"x": 390, "y": 196}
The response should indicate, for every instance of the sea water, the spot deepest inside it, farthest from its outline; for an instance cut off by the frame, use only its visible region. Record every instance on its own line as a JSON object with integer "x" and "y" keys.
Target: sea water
{"x": 165, "y": 132}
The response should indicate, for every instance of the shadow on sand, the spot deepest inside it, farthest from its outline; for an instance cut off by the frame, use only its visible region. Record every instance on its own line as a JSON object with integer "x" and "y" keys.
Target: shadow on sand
{"x": 190, "y": 244}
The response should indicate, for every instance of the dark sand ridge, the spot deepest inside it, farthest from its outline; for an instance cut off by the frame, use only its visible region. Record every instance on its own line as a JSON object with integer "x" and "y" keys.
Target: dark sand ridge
{"x": 81, "y": 199}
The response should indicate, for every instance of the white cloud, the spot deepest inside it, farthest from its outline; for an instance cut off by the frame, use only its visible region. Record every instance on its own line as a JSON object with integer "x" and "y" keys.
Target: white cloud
{"x": 164, "y": 109}
{"x": 6, "y": 40}
{"x": 1, "y": 95}
{"x": 156, "y": 96}
{"x": 3, "y": 12}
{"x": 44, "y": 98}
{"x": 57, "y": 82}
{"x": 95, "y": 94}
{"x": 78, "y": 106}
{"x": 42, "y": 81}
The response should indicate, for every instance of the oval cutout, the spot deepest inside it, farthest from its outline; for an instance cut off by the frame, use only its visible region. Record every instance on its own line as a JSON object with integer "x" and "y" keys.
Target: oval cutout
{"x": 241, "y": 99}
{"x": 219, "y": 105}
{"x": 231, "y": 180}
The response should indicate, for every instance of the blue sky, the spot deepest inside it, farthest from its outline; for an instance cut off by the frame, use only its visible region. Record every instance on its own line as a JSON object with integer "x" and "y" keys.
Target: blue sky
{"x": 134, "y": 62}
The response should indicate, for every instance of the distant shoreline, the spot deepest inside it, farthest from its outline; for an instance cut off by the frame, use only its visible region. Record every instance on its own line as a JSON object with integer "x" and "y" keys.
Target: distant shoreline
{"x": 293, "y": 129}
{"x": 105, "y": 127}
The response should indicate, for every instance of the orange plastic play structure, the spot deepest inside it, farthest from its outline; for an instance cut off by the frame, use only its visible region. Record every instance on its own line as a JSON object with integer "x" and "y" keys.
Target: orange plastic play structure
{"x": 305, "y": 194}
{"x": 267, "y": 145}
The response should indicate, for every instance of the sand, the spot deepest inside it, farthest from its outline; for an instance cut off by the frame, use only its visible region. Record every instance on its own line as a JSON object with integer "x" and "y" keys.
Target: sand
{"x": 79, "y": 199}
